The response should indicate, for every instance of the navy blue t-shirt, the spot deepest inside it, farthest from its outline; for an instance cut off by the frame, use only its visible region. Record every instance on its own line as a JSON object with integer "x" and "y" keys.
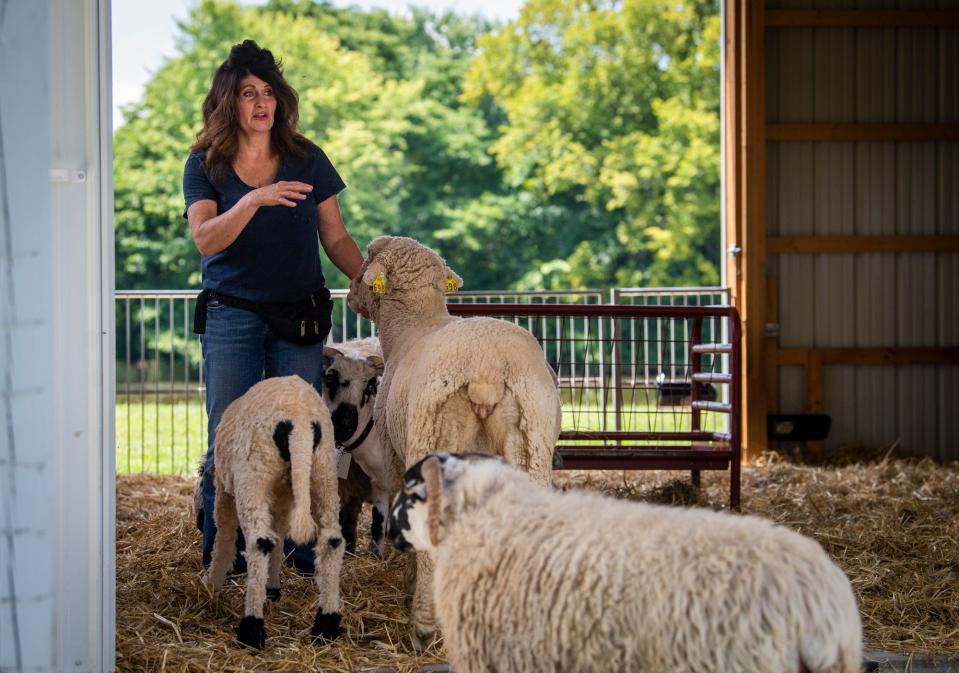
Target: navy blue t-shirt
{"x": 277, "y": 255}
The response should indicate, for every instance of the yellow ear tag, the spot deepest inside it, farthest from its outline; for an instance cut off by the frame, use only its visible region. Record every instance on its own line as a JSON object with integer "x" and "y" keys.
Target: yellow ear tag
{"x": 379, "y": 284}
{"x": 450, "y": 284}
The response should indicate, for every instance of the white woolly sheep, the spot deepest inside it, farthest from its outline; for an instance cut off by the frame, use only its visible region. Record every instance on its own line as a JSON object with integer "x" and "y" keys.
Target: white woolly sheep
{"x": 351, "y": 379}
{"x": 276, "y": 477}
{"x": 529, "y": 579}
{"x": 479, "y": 384}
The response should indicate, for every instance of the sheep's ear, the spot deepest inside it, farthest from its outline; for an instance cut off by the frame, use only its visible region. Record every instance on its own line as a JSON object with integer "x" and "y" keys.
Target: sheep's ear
{"x": 432, "y": 472}
{"x": 377, "y": 363}
{"x": 453, "y": 281}
{"x": 329, "y": 353}
{"x": 375, "y": 277}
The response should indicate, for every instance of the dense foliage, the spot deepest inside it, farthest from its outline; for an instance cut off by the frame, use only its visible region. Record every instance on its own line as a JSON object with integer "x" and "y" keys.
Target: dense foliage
{"x": 577, "y": 146}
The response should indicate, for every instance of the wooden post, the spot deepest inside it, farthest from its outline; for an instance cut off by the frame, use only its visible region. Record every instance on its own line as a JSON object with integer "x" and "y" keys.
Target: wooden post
{"x": 745, "y": 179}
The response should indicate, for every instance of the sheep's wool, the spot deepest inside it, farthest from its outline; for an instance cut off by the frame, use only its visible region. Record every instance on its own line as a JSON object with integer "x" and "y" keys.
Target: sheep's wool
{"x": 532, "y": 580}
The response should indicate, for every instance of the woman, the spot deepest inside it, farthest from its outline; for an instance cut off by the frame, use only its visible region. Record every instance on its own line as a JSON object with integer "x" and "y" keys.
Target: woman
{"x": 257, "y": 192}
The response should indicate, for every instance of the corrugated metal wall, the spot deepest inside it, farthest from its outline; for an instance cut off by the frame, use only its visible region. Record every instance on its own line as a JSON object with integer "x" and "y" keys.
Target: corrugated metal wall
{"x": 891, "y": 75}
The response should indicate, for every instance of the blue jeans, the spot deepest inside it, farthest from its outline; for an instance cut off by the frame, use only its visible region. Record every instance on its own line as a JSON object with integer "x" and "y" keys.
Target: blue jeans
{"x": 238, "y": 351}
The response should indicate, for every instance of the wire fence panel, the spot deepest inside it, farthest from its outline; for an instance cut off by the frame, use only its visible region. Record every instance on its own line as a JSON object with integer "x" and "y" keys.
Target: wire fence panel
{"x": 630, "y": 381}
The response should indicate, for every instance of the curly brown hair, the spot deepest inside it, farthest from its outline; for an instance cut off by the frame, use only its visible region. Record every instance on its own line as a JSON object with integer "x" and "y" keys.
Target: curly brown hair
{"x": 220, "y": 133}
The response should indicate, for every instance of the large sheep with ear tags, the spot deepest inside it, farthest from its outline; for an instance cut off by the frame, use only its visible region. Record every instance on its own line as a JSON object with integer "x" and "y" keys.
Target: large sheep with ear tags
{"x": 276, "y": 477}
{"x": 479, "y": 384}
{"x": 528, "y": 579}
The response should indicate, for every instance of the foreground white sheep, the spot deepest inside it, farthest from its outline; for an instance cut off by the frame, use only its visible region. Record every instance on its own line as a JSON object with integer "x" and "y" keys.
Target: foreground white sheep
{"x": 352, "y": 372}
{"x": 276, "y": 477}
{"x": 479, "y": 384}
{"x": 528, "y": 579}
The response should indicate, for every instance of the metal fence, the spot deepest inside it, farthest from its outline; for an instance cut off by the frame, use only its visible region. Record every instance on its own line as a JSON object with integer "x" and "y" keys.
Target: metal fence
{"x": 622, "y": 374}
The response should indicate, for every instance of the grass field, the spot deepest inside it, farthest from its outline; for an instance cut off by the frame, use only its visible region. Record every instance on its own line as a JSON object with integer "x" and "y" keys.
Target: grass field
{"x": 167, "y": 434}
{"x": 160, "y": 435}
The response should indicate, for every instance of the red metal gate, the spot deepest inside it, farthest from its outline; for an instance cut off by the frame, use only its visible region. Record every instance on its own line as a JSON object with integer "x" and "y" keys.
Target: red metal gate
{"x": 643, "y": 387}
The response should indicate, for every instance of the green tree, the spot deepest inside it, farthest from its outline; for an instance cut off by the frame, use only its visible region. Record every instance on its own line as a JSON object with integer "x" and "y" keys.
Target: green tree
{"x": 612, "y": 109}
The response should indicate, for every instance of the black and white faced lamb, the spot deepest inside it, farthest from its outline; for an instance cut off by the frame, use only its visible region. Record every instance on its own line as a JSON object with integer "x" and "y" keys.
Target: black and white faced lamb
{"x": 352, "y": 375}
{"x": 527, "y": 579}
{"x": 274, "y": 465}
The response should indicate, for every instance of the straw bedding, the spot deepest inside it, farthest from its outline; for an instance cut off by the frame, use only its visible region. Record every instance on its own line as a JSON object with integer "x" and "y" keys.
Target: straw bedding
{"x": 892, "y": 525}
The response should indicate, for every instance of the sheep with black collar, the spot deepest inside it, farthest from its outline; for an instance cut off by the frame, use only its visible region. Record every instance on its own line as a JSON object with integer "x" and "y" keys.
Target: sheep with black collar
{"x": 528, "y": 579}
{"x": 275, "y": 472}
{"x": 352, "y": 373}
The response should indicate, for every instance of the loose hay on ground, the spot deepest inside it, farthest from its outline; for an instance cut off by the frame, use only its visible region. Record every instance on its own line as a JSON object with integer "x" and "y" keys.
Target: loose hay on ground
{"x": 892, "y": 526}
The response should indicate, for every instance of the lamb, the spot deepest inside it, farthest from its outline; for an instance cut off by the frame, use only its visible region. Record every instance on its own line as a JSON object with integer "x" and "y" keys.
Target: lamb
{"x": 275, "y": 475}
{"x": 528, "y": 579}
{"x": 352, "y": 375}
{"x": 480, "y": 384}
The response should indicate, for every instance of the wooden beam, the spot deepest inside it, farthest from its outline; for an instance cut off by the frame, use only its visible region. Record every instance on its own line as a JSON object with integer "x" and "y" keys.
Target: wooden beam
{"x": 946, "y": 132}
{"x": 778, "y": 245}
{"x": 862, "y": 18}
{"x": 930, "y": 355}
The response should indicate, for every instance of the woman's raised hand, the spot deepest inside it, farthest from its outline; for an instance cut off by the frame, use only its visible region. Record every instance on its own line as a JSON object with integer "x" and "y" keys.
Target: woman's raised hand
{"x": 282, "y": 193}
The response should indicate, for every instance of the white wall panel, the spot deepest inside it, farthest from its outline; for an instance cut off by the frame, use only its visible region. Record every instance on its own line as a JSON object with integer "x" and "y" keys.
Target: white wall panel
{"x": 796, "y": 188}
{"x": 839, "y": 397}
{"x": 947, "y": 297}
{"x": 835, "y": 192}
{"x": 27, "y": 440}
{"x": 948, "y": 187}
{"x": 918, "y": 390}
{"x": 916, "y": 299}
{"x": 834, "y": 63}
{"x": 876, "y": 75}
{"x": 877, "y": 399}
{"x": 792, "y": 390}
{"x": 918, "y": 75}
{"x": 949, "y": 75}
{"x": 773, "y": 160}
{"x": 835, "y": 309}
{"x": 916, "y": 188}
{"x": 949, "y": 411}
{"x": 797, "y": 296}
{"x": 875, "y": 203}
{"x": 875, "y": 322}
{"x": 773, "y": 75}
{"x": 795, "y": 71}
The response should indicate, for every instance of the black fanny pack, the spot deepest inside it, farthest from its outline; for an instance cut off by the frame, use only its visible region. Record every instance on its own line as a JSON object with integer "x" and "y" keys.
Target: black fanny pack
{"x": 305, "y": 322}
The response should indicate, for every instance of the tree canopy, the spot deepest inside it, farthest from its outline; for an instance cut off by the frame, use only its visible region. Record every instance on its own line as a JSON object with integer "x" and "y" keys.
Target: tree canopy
{"x": 575, "y": 147}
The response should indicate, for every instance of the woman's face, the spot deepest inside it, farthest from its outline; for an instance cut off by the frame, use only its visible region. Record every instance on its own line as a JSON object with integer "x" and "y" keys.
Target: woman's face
{"x": 255, "y": 106}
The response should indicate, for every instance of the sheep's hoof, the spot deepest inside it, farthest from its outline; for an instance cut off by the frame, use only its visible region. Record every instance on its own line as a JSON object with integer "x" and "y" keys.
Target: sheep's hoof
{"x": 376, "y": 549}
{"x": 206, "y": 579}
{"x": 274, "y": 593}
{"x": 251, "y": 632}
{"x": 326, "y": 626}
{"x": 423, "y": 640}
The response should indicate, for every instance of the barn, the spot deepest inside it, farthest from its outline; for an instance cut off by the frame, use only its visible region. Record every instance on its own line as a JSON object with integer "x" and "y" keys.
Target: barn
{"x": 841, "y": 258}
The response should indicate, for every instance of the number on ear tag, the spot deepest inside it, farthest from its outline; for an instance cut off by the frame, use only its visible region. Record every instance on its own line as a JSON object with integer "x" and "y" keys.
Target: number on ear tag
{"x": 379, "y": 284}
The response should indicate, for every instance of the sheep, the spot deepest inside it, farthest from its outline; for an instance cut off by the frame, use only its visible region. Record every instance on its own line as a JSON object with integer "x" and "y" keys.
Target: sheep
{"x": 352, "y": 375}
{"x": 481, "y": 384}
{"x": 276, "y": 477}
{"x": 530, "y": 579}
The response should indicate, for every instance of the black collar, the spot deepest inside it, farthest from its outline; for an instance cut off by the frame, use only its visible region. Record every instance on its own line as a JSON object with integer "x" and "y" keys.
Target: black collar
{"x": 359, "y": 440}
